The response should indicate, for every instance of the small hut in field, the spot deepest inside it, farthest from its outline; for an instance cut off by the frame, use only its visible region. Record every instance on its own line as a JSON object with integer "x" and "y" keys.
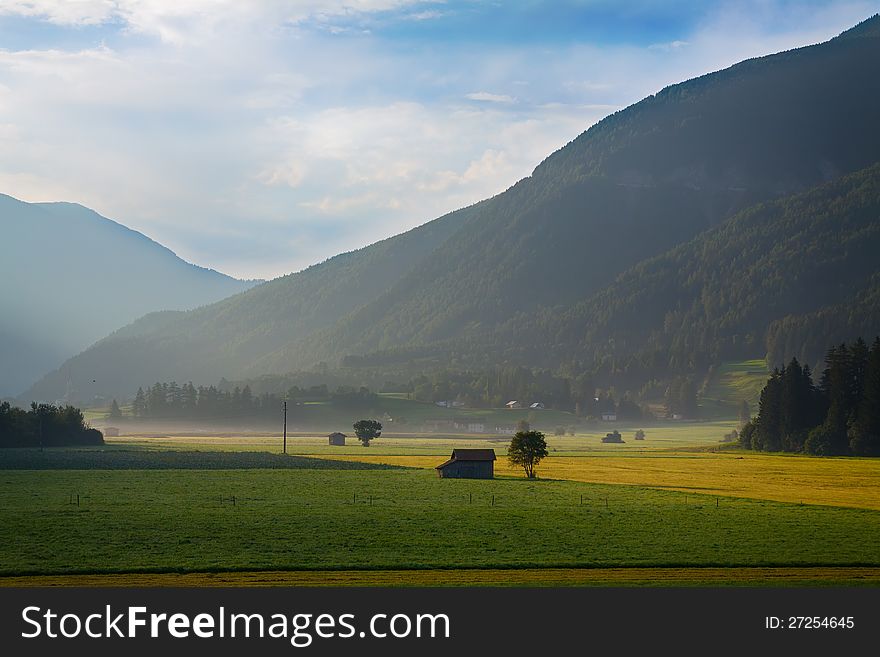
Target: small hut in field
{"x": 613, "y": 437}
{"x": 337, "y": 439}
{"x": 468, "y": 464}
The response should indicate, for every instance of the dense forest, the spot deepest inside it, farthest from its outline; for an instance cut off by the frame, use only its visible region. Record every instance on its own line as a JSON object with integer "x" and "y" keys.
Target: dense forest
{"x": 45, "y": 425}
{"x": 838, "y": 416}
{"x": 590, "y": 265}
{"x": 227, "y": 402}
{"x": 752, "y": 286}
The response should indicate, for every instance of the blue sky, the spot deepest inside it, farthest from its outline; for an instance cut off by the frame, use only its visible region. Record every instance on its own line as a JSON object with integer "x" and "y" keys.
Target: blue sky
{"x": 260, "y": 137}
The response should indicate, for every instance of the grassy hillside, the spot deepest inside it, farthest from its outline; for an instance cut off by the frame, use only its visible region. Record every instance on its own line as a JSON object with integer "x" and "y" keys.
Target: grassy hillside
{"x": 731, "y": 383}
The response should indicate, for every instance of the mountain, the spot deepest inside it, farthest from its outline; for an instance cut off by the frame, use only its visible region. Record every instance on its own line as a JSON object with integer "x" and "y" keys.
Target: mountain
{"x": 788, "y": 277}
{"x": 71, "y": 276}
{"x": 452, "y": 293}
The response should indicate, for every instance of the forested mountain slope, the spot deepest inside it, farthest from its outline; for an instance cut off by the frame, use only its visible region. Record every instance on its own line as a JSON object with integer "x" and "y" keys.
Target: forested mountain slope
{"x": 787, "y": 278}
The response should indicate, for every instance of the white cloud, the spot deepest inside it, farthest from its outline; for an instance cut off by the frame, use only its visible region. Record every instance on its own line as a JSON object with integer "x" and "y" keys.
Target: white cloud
{"x": 179, "y": 21}
{"x": 671, "y": 45}
{"x": 489, "y": 97}
{"x": 74, "y": 12}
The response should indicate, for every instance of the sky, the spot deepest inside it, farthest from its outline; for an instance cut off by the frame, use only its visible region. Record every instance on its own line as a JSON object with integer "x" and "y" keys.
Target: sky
{"x": 260, "y": 137}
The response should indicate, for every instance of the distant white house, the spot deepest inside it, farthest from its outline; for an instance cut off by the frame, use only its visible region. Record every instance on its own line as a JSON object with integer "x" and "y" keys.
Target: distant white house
{"x": 609, "y": 417}
{"x": 677, "y": 416}
{"x": 476, "y": 427}
{"x": 537, "y": 406}
{"x": 505, "y": 429}
{"x": 513, "y": 404}
{"x": 449, "y": 404}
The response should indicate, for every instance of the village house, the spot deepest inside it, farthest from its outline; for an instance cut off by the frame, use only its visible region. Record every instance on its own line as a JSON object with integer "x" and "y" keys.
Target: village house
{"x": 513, "y": 404}
{"x": 468, "y": 464}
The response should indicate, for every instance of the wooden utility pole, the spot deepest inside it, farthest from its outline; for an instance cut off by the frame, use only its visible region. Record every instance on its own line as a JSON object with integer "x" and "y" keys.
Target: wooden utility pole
{"x": 285, "y": 426}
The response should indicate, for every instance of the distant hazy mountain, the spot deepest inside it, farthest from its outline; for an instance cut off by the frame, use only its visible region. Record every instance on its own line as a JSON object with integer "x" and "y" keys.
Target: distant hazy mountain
{"x": 456, "y": 291}
{"x": 70, "y": 276}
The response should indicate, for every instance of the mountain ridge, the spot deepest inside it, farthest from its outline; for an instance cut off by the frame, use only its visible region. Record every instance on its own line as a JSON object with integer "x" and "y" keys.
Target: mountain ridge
{"x": 74, "y": 275}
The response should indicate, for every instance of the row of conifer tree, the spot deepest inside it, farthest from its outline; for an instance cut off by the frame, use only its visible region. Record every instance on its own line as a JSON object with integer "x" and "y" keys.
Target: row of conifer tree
{"x": 839, "y": 415}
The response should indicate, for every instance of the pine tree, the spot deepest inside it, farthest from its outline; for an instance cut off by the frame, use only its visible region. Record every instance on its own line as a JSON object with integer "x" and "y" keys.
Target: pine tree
{"x": 837, "y": 389}
{"x": 174, "y": 398}
{"x": 139, "y": 405}
{"x": 768, "y": 421}
{"x": 115, "y": 412}
{"x": 865, "y": 433}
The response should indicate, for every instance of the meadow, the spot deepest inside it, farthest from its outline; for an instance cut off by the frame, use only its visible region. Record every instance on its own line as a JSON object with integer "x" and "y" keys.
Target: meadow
{"x": 686, "y": 457}
{"x": 307, "y": 519}
{"x": 679, "y": 508}
{"x": 731, "y": 383}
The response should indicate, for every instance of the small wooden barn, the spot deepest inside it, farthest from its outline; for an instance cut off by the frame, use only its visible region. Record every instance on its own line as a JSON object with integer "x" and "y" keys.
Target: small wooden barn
{"x": 337, "y": 439}
{"x": 468, "y": 464}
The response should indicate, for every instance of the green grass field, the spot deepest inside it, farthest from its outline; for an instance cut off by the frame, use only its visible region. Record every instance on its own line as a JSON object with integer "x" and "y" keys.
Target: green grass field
{"x": 679, "y": 508}
{"x": 305, "y": 519}
{"x": 730, "y": 384}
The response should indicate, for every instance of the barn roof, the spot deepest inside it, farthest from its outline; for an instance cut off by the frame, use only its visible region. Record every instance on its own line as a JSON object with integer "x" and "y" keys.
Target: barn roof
{"x": 469, "y": 455}
{"x": 473, "y": 454}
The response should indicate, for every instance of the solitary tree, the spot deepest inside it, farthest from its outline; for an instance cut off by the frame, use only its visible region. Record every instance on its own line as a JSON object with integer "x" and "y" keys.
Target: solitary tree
{"x": 527, "y": 448}
{"x": 367, "y": 430}
{"x": 640, "y": 434}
